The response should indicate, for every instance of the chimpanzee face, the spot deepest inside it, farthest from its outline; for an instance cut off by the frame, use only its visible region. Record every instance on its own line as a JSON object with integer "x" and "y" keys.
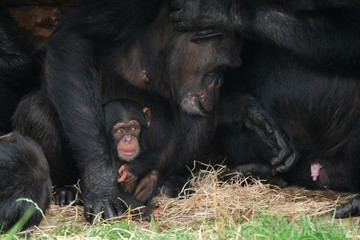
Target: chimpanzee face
{"x": 196, "y": 65}
{"x": 185, "y": 66}
{"x": 126, "y": 138}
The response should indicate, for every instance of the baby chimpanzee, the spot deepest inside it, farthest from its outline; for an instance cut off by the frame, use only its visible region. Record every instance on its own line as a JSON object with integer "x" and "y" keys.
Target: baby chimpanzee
{"x": 126, "y": 123}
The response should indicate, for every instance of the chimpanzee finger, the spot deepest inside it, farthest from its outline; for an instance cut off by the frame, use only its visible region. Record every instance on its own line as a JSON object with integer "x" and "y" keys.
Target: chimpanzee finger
{"x": 122, "y": 178}
{"x": 57, "y": 199}
{"x": 70, "y": 196}
{"x": 282, "y": 154}
{"x": 267, "y": 139}
{"x": 98, "y": 211}
{"x": 286, "y": 157}
{"x": 268, "y": 132}
{"x": 88, "y": 213}
{"x": 269, "y": 128}
{"x": 119, "y": 208}
{"x": 60, "y": 197}
{"x": 287, "y": 164}
{"x": 283, "y": 149}
{"x": 109, "y": 211}
{"x": 180, "y": 22}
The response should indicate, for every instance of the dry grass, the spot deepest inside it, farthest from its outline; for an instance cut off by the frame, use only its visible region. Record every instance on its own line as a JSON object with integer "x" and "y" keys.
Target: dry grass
{"x": 239, "y": 201}
{"x": 224, "y": 203}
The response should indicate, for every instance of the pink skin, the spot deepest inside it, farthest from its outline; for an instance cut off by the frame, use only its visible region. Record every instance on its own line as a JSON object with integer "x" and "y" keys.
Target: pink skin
{"x": 157, "y": 212}
{"x": 315, "y": 169}
{"x": 125, "y": 174}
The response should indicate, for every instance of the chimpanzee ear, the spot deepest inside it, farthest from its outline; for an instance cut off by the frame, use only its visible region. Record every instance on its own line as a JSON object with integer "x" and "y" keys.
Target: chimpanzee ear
{"x": 146, "y": 112}
{"x": 8, "y": 137}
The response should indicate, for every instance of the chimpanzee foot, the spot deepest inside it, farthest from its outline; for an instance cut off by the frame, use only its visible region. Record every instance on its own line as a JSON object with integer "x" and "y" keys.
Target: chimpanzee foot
{"x": 249, "y": 170}
{"x": 142, "y": 213}
{"x": 351, "y": 208}
{"x": 66, "y": 196}
{"x": 256, "y": 118}
{"x": 173, "y": 186}
{"x": 260, "y": 171}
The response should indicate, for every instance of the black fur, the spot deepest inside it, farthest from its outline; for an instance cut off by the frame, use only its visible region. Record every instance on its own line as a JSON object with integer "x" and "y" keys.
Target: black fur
{"x": 17, "y": 68}
{"x": 24, "y": 173}
{"x": 302, "y": 62}
{"x": 110, "y": 49}
{"x": 90, "y": 59}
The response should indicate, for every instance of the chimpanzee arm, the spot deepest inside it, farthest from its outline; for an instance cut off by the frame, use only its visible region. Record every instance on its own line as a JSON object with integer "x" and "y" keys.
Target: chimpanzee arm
{"x": 74, "y": 88}
{"x": 144, "y": 164}
{"x": 15, "y": 60}
{"x": 328, "y": 36}
{"x": 244, "y": 109}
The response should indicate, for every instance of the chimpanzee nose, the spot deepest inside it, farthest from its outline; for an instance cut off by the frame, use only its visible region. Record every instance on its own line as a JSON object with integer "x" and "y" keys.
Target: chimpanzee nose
{"x": 128, "y": 139}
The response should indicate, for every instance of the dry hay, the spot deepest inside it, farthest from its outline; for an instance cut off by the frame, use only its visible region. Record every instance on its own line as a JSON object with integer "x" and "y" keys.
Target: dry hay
{"x": 239, "y": 201}
{"x": 223, "y": 202}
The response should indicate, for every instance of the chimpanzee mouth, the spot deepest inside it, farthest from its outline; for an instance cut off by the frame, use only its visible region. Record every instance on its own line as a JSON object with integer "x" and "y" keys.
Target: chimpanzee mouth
{"x": 129, "y": 156}
{"x": 202, "y": 101}
{"x": 203, "y": 111}
{"x": 191, "y": 104}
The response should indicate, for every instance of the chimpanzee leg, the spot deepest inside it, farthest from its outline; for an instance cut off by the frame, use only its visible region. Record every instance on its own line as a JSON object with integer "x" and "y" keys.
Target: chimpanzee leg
{"x": 36, "y": 118}
{"x": 24, "y": 174}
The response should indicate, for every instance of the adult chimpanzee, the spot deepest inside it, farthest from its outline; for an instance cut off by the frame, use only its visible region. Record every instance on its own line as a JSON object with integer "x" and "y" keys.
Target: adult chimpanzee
{"x": 109, "y": 49}
{"x": 24, "y": 173}
{"x": 302, "y": 61}
{"x": 16, "y": 68}
{"x": 126, "y": 124}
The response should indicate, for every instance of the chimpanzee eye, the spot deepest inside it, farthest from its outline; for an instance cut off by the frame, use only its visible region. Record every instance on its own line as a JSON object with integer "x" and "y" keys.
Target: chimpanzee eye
{"x": 207, "y": 35}
{"x": 120, "y": 131}
{"x": 133, "y": 129}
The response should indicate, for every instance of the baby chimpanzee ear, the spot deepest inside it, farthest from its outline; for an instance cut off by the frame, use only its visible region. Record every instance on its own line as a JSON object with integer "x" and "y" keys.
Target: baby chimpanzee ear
{"x": 146, "y": 112}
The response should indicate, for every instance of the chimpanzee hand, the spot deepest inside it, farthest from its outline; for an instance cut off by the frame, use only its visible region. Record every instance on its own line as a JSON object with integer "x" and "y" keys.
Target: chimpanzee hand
{"x": 104, "y": 199}
{"x": 256, "y": 118}
{"x": 104, "y": 205}
{"x": 200, "y": 14}
{"x": 125, "y": 174}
